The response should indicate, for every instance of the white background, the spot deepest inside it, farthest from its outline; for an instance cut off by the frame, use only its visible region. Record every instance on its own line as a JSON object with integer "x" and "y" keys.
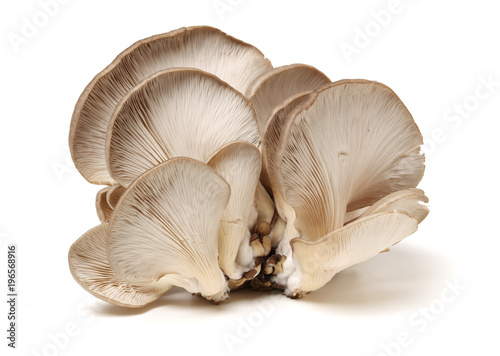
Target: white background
{"x": 434, "y": 55}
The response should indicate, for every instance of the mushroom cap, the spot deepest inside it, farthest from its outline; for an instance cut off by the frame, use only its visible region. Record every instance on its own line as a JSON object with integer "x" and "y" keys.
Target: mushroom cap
{"x": 270, "y": 143}
{"x": 239, "y": 163}
{"x": 407, "y": 201}
{"x": 272, "y": 88}
{"x": 164, "y": 228}
{"x": 88, "y": 262}
{"x": 278, "y": 84}
{"x": 176, "y": 112}
{"x": 348, "y": 145}
{"x": 206, "y": 48}
{"x": 318, "y": 261}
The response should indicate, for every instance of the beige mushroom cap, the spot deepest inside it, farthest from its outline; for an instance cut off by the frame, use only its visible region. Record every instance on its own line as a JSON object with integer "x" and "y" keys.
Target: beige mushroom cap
{"x": 176, "y": 112}
{"x": 350, "y": 144}
{"x": 407, "y": 201}
{"x": 88, "y": 261}
{"x": 271, "y": 88}
{"x": 270, "y": 143}
{"x": 318, "y": 261}
{"x": 165, "y": 228}
{"x": 206, "y": 48}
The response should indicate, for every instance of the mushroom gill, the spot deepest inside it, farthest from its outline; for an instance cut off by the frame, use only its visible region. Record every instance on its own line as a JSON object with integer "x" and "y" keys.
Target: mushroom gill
{"x": 225, "y": 173}
{"x": 202, "y": 47}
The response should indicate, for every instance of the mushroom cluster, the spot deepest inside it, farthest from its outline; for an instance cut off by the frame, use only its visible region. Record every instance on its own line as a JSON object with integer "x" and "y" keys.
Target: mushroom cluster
{"x": 223, "y": 172}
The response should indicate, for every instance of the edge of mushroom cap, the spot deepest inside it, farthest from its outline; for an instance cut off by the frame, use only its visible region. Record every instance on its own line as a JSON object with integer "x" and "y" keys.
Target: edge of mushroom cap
{"x": 84, "y": 286}
{"x": 145, "y": 174}
{"x": 355, "y": 225}
{"x": 264, "y": 77}
{"x": 238, "y": 146}
{"x": 84, "y": 95}
{"x": 143, "y": 83}
{"x": 220, "y": 296}
{"x": 307, "y": 103}
{"x": 300, "y": 97}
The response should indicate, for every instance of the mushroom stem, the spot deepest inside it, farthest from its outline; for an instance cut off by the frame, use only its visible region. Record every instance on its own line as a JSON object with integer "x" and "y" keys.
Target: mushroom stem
{"x": 234, "y": 258}
{"x": 264, "y": 205}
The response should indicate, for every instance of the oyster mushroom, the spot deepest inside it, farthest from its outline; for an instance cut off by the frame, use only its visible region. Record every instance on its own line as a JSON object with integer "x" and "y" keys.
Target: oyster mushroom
{"x": 206, "y": 48}
{"x": 379, "y": 227}
{"x": 165, "y": 228}
{"x": 239, "y": 164}
{"x": 159, "y": 120}
{"x": 273, "y": 87}
{"x": 318, "y": 261}
{"x": 225, "y": 173}
{"x": 89, "y": 265}
{"x": 347, "y": 146}
{"x": 270, "y": 142}
{"x": 163, "y": 232}
{"x": 343, "y": 148}
{"x": 407, "y": 200}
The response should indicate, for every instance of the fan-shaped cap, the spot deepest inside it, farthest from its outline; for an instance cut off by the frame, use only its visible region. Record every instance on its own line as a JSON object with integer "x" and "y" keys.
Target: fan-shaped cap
{"x": 206, "y": 48}
{"x": 239, "y": 164}
{"x": 407, "y": 201}
{"x": 88, "y": 261}
{"x": 318, "y": 261}
{"x": 352, "y": 143}
{"x": 164, "y": 228}
{"x": 178, "y": 112}
{"x": 270, "y": 143}
{"x": 271, "y": 88}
